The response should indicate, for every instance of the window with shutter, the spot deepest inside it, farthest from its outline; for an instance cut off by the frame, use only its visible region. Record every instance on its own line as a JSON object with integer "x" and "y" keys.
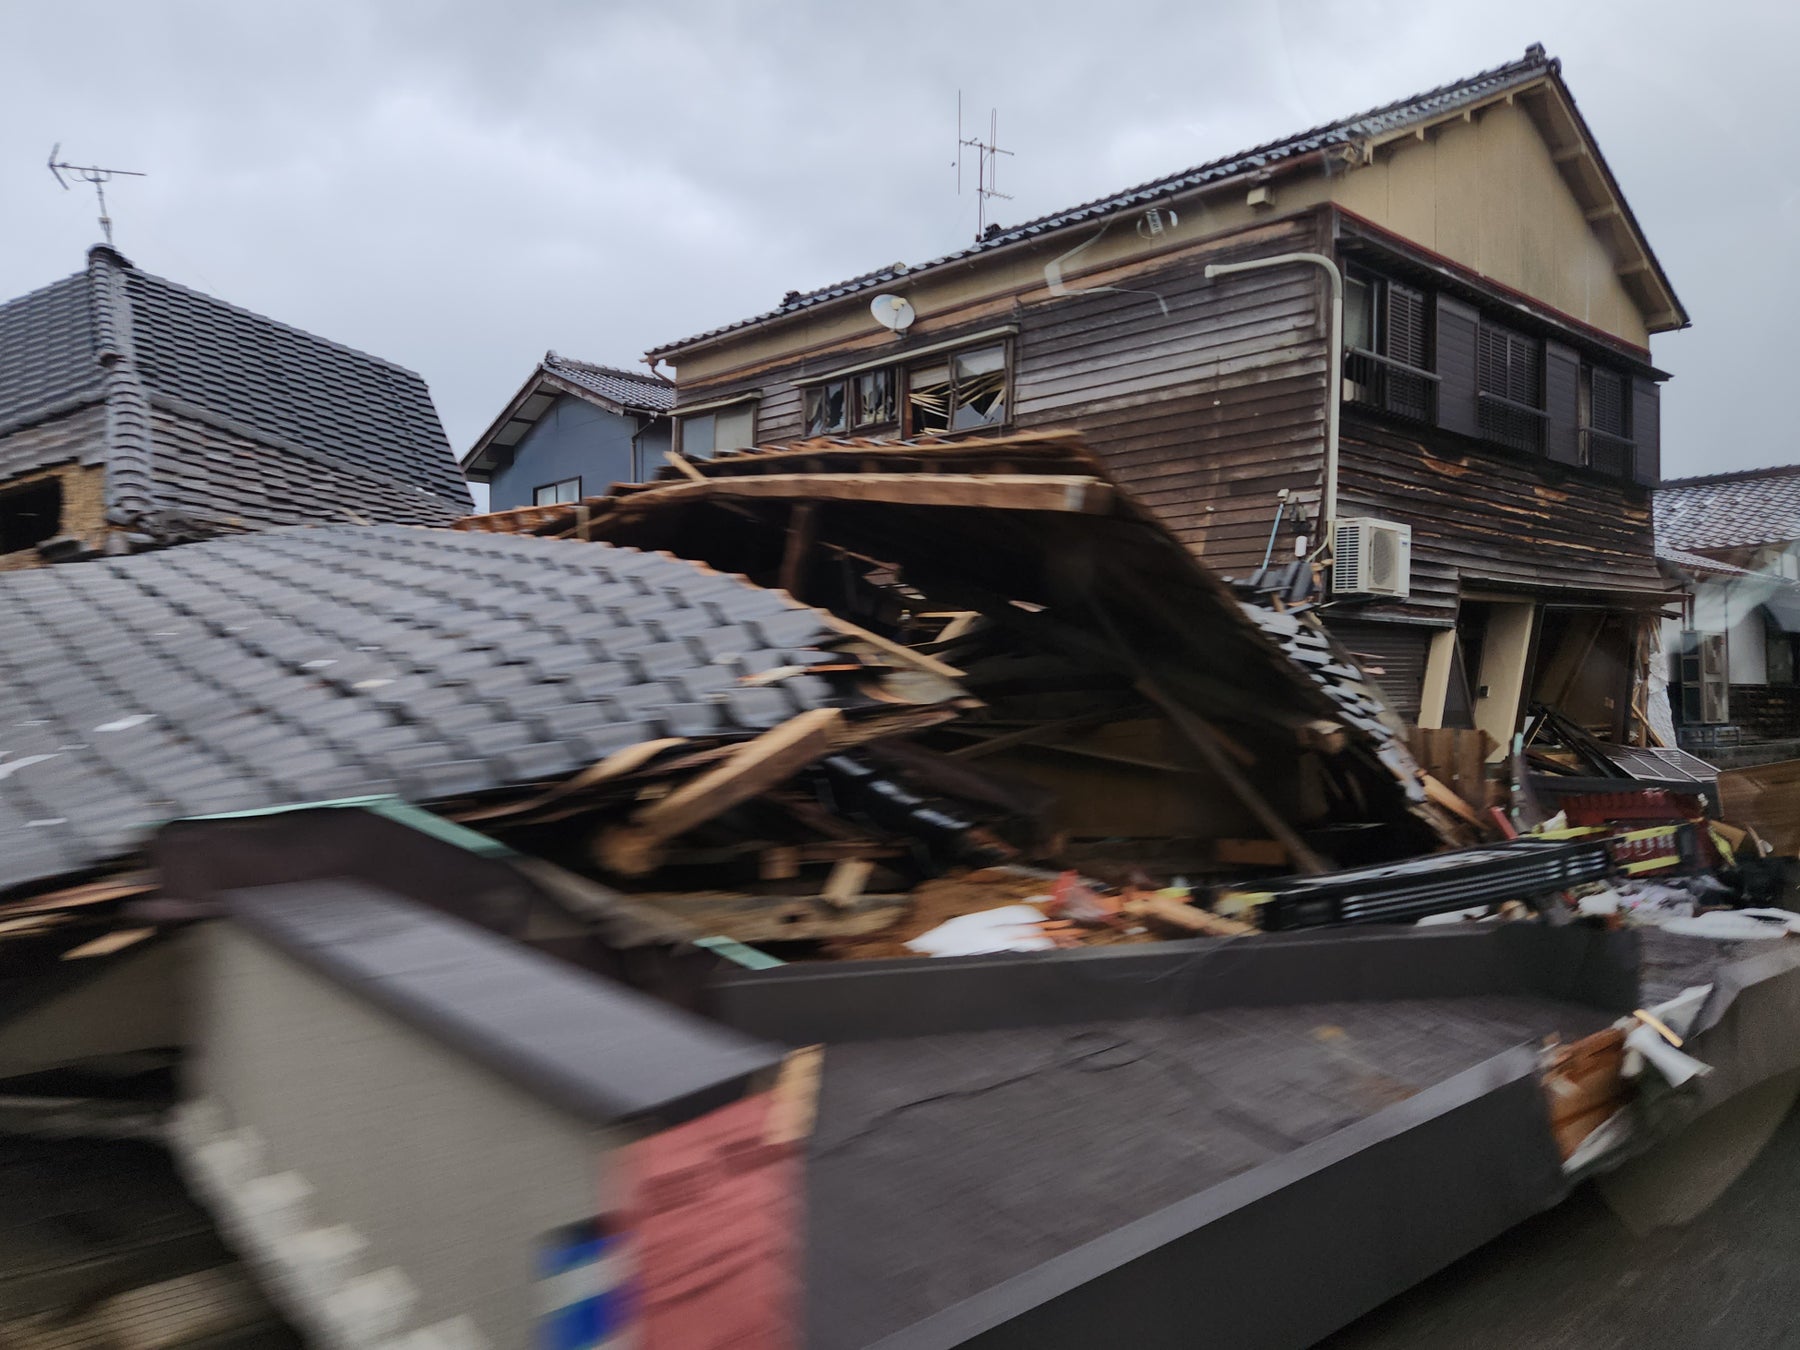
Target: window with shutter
{"x": 1606, "y": 443}
{"x": 1509, "y": 369}
{"x": 1387, "y": 349}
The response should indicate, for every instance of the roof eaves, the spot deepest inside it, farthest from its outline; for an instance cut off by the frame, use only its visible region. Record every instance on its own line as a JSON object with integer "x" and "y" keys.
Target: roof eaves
{"x": 1618, "y": 194}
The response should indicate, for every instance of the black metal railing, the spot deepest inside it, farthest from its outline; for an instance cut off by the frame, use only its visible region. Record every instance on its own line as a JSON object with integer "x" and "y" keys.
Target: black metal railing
{"x": 1380, "y": 382}
{"x": 1517, "y": 426}
{"x": 1607, "y": 453}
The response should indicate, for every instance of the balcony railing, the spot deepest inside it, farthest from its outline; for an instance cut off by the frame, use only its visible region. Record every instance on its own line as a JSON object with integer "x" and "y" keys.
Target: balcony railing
{"x": 1517, "y": 426}
{"x": 1604, "y": 452}
{"x": 1379, "y": 382}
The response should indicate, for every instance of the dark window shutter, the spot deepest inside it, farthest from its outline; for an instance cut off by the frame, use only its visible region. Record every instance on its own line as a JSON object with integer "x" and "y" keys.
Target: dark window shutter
{"x": 1406, "y": 326}
{"x": 1457, "y": 326}
{"x": 1646, "y": 427}
{"x": 1562, "y": 390}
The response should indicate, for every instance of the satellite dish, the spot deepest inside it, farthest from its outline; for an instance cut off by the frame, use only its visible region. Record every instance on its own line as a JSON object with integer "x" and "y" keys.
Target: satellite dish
{"x": 892, "y": 311}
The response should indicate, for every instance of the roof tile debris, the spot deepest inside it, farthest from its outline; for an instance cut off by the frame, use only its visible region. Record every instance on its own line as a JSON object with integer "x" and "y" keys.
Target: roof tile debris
{"x": 318, "y": 663}
{"x": 1743, "y": 509}
{"x": 1376, "y": 121}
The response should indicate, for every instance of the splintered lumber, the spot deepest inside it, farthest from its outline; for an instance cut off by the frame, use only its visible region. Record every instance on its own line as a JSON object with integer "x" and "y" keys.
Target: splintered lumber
{"x": 846, "y": 882}
{"x": 1207, "y": 742}
{"x": 1452, "y": 802}
{"x": 794, "y": 1103}
{"x": 688, "y": 470}
{"x": 1078, "y": 493}
{"x": 1178, "y": 914}
{"x": 753, "y": 768}
{"x": 891, "y": 648}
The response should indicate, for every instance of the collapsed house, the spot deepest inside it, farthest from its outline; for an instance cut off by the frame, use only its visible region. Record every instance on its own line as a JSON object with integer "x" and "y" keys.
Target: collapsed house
{"x": 679, "y": 827}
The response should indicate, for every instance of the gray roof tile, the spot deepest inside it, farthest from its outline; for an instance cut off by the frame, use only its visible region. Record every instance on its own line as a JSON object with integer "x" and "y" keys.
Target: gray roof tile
{"x": 1744, "y": 509}
{"x": 251, "y": 418}
{"x": 212, "y": 678}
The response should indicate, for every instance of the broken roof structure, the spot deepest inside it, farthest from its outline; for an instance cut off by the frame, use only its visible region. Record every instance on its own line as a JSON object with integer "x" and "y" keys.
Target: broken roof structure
{"x": 303, "y": 664}
{"x": 192, "y": 415}
{"x": 1356, "y": 135}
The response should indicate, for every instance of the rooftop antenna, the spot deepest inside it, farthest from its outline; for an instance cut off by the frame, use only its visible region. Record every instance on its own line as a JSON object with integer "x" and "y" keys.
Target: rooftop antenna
{"x": 989, "y": 160}
{"x": 90, "y": 173}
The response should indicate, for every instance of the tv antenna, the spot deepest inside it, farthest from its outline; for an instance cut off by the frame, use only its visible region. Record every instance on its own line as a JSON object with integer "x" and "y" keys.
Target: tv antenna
{"x": 90, "y": 173}
{"x": 989, "y": 152}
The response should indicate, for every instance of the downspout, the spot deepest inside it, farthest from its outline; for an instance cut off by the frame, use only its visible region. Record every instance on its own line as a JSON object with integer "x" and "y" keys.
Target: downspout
{"x": 1334, "y": 380}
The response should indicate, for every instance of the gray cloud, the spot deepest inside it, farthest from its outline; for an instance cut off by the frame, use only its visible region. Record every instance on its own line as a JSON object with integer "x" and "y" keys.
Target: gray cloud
{"x": 459, "y": 186}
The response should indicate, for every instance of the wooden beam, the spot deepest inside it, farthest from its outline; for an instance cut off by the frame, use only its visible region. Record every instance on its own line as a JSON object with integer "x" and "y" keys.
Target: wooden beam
{"x": 688, "y": 470}
{"x": 846, "y": 882}
{"x": 1062, "y": 493}
{"x": 756, "y": 766}
{"x": 1206, "y": 741}
{"x": 897, "y": 650}
{"x": 795, "y": 548}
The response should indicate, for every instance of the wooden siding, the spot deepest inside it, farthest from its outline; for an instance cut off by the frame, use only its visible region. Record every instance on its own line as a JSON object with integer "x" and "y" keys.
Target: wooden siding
{"x": 1203, "y": 413}
{"x": 1482, "y": 517}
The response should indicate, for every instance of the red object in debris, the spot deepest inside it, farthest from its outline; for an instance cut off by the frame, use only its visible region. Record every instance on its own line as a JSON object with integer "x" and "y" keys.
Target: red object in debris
{"x": 715, "y": 1218}
{"x": 1069, "y": 899}
{"x": 1506, "y": 827}
{"x": 1651, "y": 806}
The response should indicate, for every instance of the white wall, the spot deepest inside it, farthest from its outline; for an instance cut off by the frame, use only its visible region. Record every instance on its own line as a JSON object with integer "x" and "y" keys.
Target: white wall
{"x": 452, "y": 1174}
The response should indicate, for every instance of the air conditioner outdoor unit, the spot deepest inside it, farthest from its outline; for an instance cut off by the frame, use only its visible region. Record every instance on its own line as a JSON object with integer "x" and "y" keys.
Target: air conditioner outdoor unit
{"x": 1372, "y": 557}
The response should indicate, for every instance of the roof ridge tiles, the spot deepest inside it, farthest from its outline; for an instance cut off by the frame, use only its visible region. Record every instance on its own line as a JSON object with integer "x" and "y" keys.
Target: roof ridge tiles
{"x": 1534, "y": 63}
{"x": 646, "y": 377}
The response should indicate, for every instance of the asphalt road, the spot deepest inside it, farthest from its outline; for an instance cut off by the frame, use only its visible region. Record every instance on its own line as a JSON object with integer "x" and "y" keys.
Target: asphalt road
{"x": 1577, "y": 1279}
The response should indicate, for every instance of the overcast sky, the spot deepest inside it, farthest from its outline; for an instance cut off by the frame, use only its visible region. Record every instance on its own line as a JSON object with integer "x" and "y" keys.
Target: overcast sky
{"x": 459, "y": 186}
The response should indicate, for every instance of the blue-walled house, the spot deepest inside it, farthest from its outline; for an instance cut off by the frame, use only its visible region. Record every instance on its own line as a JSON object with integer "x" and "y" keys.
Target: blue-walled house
{"x": 572, "y": 431}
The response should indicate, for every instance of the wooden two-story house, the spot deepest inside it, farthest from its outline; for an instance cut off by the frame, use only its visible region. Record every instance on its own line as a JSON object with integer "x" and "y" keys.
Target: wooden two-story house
{"x": 1483, "y": 446}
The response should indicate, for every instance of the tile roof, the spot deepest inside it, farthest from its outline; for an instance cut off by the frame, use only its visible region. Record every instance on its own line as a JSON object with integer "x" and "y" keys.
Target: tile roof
{"x": 629, "y": 389}
{"x": 1374, "y": 122}
{"x": 307, "y": 664}
{"x": 115, "y": 332}
{"x": 46, "y": 351}
{"x": 1729, "y": 510}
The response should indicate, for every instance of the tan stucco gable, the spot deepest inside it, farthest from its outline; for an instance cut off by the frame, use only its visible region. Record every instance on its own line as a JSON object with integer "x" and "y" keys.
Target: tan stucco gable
{"x": 1517, "y": 192}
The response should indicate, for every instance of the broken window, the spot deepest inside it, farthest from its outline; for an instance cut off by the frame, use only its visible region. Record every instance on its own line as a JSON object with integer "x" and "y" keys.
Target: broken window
{"x": 874, "y": 398}
{"x": 980, "y": 389}
{"x": 928, "y": 398}
{"x": 826, "y": 414}
{"x": 964, "y": 393}
{"x": 29, "y": 515}
{"x": 704, "y": 435}
{"x": 554, "y": 494}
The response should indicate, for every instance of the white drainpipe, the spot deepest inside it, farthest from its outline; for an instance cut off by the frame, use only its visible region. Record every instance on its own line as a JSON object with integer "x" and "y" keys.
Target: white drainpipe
{"x": 1335, "y": 379}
